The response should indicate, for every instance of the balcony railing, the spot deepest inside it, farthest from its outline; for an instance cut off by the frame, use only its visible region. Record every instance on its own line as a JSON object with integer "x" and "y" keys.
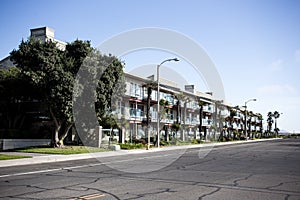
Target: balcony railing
{"x": 239, "y": 116}
{"x": 225, "y": 113}
{"x": 237, "y": 126}
{"x": 207, "y": 122}
{"x": 136, "y": 114}
{"x": 208, "y": 109}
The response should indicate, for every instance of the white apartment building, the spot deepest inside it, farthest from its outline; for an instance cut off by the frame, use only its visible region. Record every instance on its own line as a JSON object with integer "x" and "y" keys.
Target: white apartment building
{"x": 185, "y": 114}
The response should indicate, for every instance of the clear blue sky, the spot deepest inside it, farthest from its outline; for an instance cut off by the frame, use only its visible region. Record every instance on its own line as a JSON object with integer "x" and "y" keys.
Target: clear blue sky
{"x": 255, "y": 44}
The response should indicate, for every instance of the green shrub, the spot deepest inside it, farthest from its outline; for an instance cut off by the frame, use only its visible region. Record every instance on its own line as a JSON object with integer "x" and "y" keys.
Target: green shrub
{"x": 131, "y": 146}
{"x": 195, "y": 141}
{"x": 180, "y": 142}
{"x": 164, "y": 143}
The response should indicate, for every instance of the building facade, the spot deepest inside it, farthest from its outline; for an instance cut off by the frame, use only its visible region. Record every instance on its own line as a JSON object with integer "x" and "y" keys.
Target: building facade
{"x": 185, "y": 114}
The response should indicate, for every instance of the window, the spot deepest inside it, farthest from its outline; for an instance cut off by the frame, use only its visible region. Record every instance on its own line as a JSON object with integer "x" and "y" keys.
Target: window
{"x": 136, "y": 90}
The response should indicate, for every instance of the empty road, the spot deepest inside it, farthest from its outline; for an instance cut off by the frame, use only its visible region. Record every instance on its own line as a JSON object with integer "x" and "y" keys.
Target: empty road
{"x": 262, "y": 170}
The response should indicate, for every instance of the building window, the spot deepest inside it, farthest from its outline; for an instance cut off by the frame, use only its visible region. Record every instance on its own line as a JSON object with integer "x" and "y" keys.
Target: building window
{"x": 136, "y": 91}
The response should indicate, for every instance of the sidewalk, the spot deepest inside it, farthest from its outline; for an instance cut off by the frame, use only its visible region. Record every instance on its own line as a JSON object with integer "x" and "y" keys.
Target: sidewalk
{"x": 48, "y": 158}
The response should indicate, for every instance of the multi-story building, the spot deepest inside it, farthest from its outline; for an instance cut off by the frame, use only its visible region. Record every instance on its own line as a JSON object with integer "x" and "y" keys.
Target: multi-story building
{"x": 43, "y": 34}
{"x": 196, "y": 114}
{"x": 185, "y": 113}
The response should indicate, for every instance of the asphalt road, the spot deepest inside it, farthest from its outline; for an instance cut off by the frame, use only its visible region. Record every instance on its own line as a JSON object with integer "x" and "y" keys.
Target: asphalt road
{"x": 264, "y": 170}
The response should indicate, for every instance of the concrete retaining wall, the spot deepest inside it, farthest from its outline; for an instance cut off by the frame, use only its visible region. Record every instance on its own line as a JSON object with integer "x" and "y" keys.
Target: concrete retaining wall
{"x": 6, "y": 144}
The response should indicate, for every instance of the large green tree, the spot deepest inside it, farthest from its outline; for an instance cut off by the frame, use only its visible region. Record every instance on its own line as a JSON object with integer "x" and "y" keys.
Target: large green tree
{"x": 53, "y": 71}
{"x": 100, "y": 87}
{"x": 48, "y": 68}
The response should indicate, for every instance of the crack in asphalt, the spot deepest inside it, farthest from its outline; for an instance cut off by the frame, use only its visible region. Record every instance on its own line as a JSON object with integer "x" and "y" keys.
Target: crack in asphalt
{"x": 44, "y": 189}
{"x": 215, "y": 185}
{"x": 282, "y": 183}
{"x": 81, "y": 187}
{"x": 103, "y": 191}
{"x": 211, "y": 193}
{"x": 287, "y": 197}
{"x": 235, "y": 182}
{"x": 161, "y": 191}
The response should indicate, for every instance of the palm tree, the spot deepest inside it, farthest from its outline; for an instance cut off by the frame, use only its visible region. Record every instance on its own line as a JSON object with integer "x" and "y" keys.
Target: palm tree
{"x": 150, "y": 85}
{"x": 250, "y": 114}
{"x": 276, "y": 115}
{"x": 259, "y": 116}
{"x": 218, "y": 119}
{"x": 180, "y": 98}
{"x": 201, "y": 104}
{"x": 270, "y": 121}
{"x": 231, "y": 118}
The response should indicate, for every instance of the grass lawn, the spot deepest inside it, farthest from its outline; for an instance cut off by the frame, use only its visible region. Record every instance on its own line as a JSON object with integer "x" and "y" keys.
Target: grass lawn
{"x": 64, "y": 150}
{"x": 9, "y": 157}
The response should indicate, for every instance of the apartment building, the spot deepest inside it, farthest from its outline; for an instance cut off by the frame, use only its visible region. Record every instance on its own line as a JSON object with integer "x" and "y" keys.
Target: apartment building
{"x": 184, "y": 113}
{"x": 183, "y": 109}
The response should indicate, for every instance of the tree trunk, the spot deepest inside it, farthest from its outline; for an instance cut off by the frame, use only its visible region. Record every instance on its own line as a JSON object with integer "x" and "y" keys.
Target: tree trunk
{"x": 166, "y": 133}
{"x": 149, "y": 92}
{"x": 65, "y": 134}
{"x": 178, "y": 117}
{"x": 200, "y": 120}
{"x": 184, "y": 123}
{"x": 56, "y": 130}
{"x": 56, "y": 133}
{"x": 178, "y": 112}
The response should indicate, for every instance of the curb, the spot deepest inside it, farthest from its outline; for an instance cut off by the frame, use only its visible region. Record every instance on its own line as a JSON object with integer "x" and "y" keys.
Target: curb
{"x": 59, "y": 158}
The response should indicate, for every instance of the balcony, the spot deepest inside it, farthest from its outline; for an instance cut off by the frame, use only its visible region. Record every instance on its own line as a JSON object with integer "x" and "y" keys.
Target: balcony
{"x": 237, "y": 126}
{"x": 168, "y": 119}
{"x": 208, "y": 109}
{"x": 170, "y": 99}
{"x": 239, "y": 116}
{"x": 226, "y": 124}
{"x": 136, "y": 114}
{"x": 195, "y": 121}
{"x": 207, "y": 122}
{"x": 253, "y": 119}
{"x": 225, "y": 113}
{"x": 192, "y": 121}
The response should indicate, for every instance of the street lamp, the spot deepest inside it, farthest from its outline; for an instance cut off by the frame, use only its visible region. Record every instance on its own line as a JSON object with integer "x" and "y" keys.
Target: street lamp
{"x": 246, "y": 135}
{"x": 158, "y": 116}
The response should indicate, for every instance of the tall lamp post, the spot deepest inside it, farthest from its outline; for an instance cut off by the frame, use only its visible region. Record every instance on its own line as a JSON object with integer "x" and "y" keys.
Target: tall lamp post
{"x": 158, "y": 115}
{"x": 246, "y": 135}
